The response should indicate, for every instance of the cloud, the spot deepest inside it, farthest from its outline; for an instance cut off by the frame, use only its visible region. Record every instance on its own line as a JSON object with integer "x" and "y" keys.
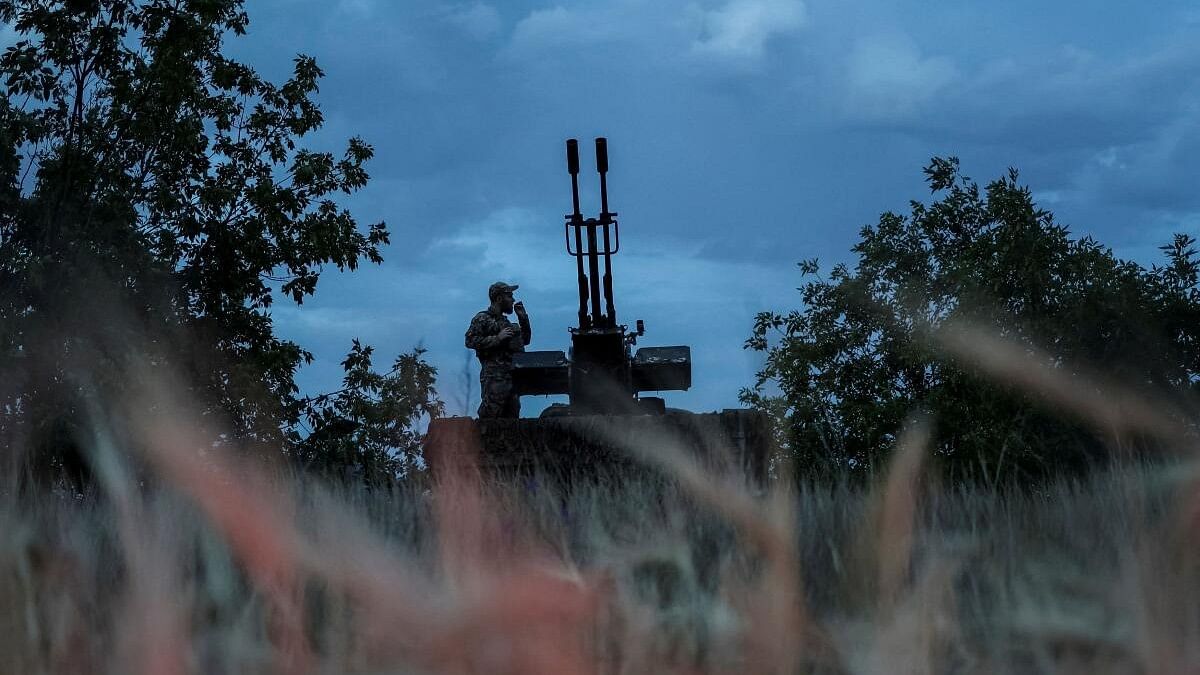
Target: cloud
{"x": 1064, "y": 100}
{"x": 358, "y": 7}
{"x": 889, "y": 77}
{"x": 1111, "y": 135}
{"x": 1079, "y": 97}
{"x": 562, "y": 27}
{"x": 478, "y": 20}
{"x": 679, "y": 43}
{"x": 740, "y": 29}
{"x": 1112, "y": 130}
{"x": 612, "y": 27}
{"x": 508, "y": 243}
{"x": 1156, "y": 174}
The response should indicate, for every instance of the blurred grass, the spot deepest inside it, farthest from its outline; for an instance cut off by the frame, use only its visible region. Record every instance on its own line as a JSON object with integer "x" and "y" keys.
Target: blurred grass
{"x": 635, "y": 575}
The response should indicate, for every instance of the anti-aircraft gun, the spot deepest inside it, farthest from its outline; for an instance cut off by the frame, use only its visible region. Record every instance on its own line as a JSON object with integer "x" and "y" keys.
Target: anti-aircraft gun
{"x": 602, "y": 375}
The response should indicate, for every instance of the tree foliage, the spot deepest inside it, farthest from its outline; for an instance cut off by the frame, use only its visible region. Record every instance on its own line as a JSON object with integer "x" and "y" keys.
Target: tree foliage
{"x": 846, "y": 371}
{"x": 142, "y": 169}
{"x": 369, "y": 426}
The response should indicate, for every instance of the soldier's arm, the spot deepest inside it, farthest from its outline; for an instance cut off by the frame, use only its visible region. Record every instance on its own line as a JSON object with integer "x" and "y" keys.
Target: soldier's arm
{"x": 478, "y": 335}
{"x": 526, "y": 330}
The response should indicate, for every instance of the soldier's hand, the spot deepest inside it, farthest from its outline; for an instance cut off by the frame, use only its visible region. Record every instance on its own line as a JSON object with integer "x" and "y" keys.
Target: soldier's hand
{"x": 520, "y": 308}
{"x": 507, "y": 332}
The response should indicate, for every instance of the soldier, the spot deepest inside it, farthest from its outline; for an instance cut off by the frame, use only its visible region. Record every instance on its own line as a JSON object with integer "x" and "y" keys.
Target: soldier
{"x": 494, "y": 339}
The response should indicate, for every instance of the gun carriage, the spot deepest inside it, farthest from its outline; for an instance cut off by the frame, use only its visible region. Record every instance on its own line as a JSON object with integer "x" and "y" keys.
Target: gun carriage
{"x": 602, "y": 375}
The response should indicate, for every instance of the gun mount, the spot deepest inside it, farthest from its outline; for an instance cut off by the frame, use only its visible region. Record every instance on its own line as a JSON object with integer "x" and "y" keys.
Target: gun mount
{"x": 601, "y": 374}
{"x": 604, "y": 378}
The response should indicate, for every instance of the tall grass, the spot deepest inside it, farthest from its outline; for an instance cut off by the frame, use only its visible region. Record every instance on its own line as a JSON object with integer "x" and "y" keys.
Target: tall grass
{"x": 184, "y": 559}
{"x": 271, "y": 575}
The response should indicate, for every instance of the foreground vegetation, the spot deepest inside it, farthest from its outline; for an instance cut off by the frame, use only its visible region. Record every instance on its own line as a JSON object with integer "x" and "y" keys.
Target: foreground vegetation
{"x": 194, "y": 563}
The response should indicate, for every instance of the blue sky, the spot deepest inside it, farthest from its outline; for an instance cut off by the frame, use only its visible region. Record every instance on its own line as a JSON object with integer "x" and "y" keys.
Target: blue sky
{"x": 744, "y": 135}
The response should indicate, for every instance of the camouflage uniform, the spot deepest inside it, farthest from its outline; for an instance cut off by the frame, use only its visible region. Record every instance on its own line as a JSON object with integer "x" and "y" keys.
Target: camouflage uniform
{"x": 495, "y": 360}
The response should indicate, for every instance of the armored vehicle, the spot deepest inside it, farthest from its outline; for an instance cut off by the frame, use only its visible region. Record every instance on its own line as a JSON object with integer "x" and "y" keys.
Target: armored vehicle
{"x": 607, "y": 418}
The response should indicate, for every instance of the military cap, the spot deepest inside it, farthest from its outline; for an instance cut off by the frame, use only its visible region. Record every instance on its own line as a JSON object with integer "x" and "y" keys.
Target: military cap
{"x": 499, "y": 288}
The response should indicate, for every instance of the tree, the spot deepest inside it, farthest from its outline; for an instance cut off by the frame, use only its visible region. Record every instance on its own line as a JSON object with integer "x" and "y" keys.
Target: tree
{"x": 145, "y": 174}
{"x": 846, "y": 371}
{"x": 368, "y": 426}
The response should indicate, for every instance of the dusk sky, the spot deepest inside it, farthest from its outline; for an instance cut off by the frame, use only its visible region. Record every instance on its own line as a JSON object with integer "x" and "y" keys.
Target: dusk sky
{"x": 744, "y": 136}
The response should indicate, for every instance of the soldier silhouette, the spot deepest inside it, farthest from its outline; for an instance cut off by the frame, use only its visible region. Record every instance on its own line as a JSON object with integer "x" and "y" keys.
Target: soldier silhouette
{"x": 494, "y": 339}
